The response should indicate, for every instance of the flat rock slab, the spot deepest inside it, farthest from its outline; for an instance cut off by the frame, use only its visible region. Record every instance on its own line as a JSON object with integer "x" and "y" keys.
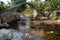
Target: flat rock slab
{"x": 45, "y": 23}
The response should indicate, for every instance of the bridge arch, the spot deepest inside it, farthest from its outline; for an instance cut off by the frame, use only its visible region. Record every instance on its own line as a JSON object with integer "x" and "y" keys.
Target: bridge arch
{"x": 10, "y": 13}
{"x": 31, "y": 5}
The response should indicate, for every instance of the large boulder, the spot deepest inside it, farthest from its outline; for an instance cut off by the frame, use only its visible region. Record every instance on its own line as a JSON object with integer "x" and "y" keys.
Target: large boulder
{"x": 5, "y": 34}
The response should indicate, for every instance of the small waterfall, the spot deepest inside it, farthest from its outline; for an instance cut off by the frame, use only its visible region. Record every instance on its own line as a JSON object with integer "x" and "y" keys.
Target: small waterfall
{"x": 24, "y": 23}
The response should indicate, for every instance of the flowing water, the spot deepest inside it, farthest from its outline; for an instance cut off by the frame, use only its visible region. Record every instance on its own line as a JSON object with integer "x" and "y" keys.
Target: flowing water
{"x": 22, "y": 33}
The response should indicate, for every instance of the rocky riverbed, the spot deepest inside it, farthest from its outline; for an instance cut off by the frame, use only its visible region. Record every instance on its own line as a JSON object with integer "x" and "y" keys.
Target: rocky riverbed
{"x": 11, "y": 34}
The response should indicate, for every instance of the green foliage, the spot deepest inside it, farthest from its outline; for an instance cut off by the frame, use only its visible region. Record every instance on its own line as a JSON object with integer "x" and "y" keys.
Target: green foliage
{"x": 3, "y": 6}
{"x": 54, "y": 4}
{"x": 39, "y": 5}
{"x": 29, "y": 11}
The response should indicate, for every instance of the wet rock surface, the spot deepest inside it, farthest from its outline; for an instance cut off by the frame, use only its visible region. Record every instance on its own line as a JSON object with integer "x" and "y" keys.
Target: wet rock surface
{"x": 5, "y": 34}
{"x": 9, "y": 34}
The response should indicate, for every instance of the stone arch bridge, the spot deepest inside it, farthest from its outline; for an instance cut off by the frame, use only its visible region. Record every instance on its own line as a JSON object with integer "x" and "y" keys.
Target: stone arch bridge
{"x": 11, "y": 13}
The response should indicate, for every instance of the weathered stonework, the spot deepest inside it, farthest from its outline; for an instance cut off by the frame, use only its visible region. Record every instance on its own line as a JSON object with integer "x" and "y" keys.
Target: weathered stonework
{"x": 12, "y": 14}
